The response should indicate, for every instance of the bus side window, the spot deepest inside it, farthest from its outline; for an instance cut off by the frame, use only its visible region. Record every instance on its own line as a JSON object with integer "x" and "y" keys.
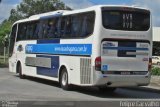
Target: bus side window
{"x": 88, "y": 24}
{"x": 76, "y": 25}
{"x": 28, "y": 30}
{"x": 22, "y": 31}
{"x": 84, "y": 26}
{"x": 12, "y": 39}
{"x": 36, "y": 31}
{"x": 32, "y": 30}
{"x": 62, "y": 27}
{"x": 45, "y": 28}
{"x": 68, "y": 26}
{"x": 58, "y": 27}
{"x": 40, "y": 30}
{"x": 19, "y": 36}
{"x": 52, "y": 31}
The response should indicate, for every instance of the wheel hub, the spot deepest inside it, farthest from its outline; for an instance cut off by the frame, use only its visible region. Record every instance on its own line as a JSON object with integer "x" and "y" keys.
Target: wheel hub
{"x": 64, "y": 79}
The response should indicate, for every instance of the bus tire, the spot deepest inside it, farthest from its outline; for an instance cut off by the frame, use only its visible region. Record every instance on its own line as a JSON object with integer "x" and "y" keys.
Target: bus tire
{"x": 64, "y": 79}
{"x": 106, "y": 89}
{"x": 19, "y": 70}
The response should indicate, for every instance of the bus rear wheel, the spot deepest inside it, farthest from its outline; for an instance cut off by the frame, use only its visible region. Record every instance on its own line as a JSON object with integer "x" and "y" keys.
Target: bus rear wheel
{"x": 19, "y": 70}
{"x": 64, "y": 79}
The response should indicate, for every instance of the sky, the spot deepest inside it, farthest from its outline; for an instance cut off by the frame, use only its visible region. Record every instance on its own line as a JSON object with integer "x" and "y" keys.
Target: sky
{"x": 5, "y": 8}
{"x": 153, "y": 5}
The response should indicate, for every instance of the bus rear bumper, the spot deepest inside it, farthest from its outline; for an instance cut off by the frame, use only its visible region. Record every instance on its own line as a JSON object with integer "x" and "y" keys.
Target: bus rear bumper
{"x": 122, "y": 80}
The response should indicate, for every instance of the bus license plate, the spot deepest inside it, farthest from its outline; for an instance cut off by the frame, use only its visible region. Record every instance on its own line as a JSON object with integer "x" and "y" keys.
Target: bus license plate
{"x": 125, "y": 73}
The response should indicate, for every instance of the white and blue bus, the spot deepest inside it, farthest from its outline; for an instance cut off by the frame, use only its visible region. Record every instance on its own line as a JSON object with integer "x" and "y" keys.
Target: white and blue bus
{"x": 103, "y": 46}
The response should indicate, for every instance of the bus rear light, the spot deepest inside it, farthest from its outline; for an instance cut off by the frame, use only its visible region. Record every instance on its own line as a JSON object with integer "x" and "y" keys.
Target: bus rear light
{"x": 150, "y": 64}
{"x": 98, "y": 64}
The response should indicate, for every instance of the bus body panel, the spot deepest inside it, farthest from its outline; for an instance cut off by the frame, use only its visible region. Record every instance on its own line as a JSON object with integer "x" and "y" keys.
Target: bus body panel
{"x": 73, "y": 68}
{"x": 138, "y": 60}
{"x": 121, "y": 80}
{"x": 117, "y": 70}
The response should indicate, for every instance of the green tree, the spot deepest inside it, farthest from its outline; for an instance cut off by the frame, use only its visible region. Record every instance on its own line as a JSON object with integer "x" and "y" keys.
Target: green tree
{"x": 15, "y": 15}
{"x": 32, "y": 7}
{"x": 5, "y": 29}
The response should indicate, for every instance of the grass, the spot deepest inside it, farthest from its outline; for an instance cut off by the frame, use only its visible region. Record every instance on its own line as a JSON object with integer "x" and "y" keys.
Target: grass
{"x": 155, "y": 71}
{"x": 2, "y": 63}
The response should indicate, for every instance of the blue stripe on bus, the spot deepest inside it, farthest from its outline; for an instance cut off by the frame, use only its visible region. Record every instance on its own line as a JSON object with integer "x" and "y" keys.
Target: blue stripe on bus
{"x": 48, "y": 41}
{"x": 126, "y": 48}
{"x": 61, "y": 49}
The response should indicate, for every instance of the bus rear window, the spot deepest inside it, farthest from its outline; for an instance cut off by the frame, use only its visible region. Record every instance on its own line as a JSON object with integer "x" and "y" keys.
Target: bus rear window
{"x": 126, "y": 20}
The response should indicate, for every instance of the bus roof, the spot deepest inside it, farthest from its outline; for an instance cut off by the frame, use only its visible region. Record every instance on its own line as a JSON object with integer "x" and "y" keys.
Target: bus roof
{"x": 65, "y": 12}
{"x": 41, "y": 16}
